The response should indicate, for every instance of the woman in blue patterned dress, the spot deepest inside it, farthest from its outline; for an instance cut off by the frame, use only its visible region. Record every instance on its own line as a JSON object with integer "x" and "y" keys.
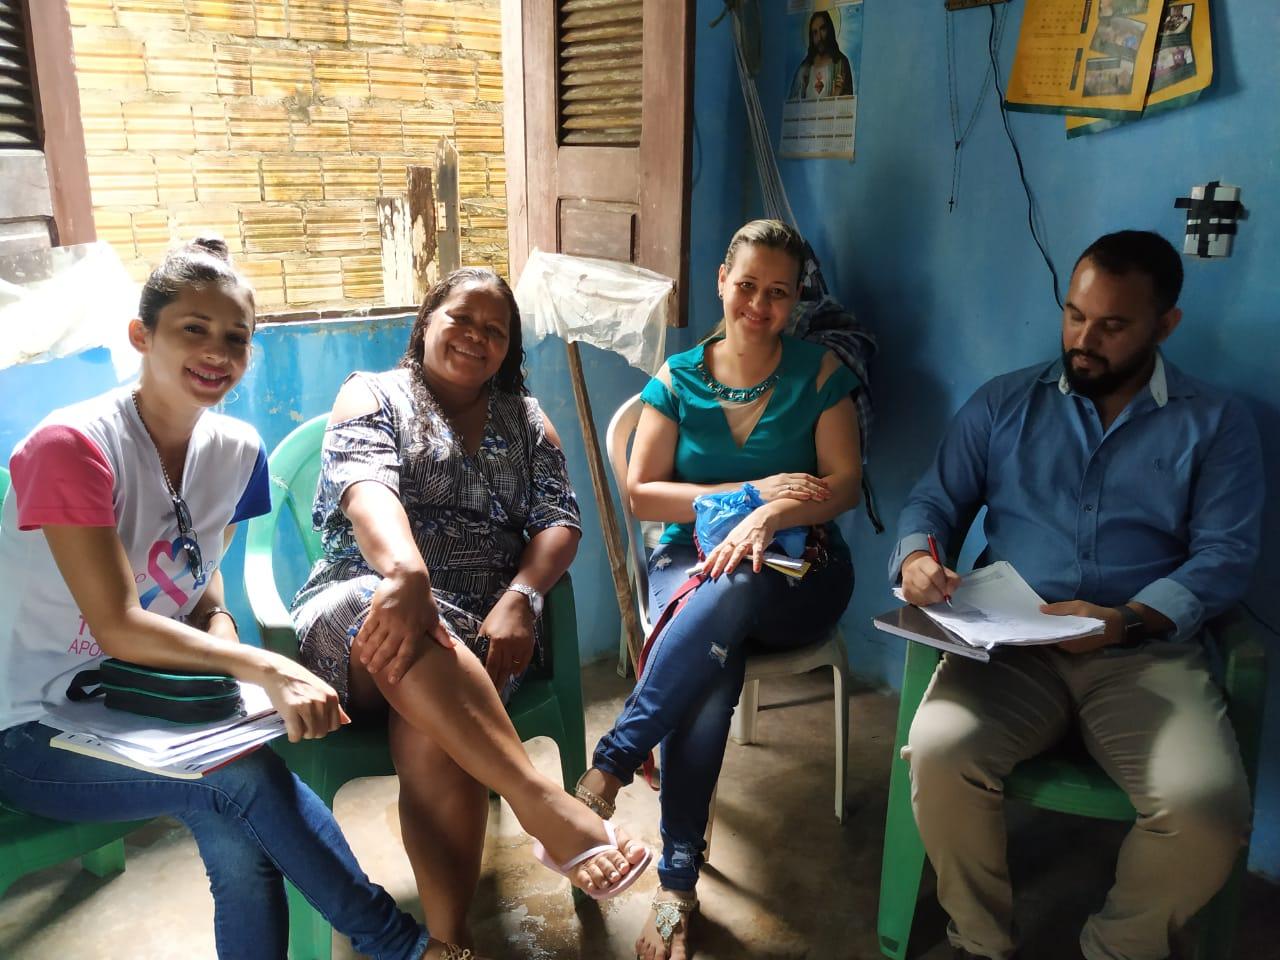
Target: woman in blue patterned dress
{"x": 446, "y": 513}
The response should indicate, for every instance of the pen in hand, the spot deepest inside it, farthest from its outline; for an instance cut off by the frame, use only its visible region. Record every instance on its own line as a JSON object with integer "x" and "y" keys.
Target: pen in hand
{"x": 933, "y": 552}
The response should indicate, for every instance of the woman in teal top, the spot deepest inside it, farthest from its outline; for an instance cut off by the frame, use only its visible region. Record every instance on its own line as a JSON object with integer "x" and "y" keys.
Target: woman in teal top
{"x": 782, "y": 440}
{"x": 748, "y": 405}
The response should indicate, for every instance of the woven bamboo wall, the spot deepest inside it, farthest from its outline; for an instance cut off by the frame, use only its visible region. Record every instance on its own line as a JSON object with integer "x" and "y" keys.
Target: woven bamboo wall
{"x": 276, "y": 123}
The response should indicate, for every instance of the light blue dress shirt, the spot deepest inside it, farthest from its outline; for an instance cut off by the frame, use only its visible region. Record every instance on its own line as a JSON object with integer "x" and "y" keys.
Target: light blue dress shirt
{"x": 1163, "y": 508}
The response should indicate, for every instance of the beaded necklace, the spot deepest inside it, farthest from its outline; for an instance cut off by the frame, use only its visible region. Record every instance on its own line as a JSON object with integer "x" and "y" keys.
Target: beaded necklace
{"x": 734, "y": 394}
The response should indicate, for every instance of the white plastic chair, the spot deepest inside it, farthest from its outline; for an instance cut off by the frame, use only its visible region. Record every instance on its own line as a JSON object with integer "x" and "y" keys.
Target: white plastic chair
{"x": 642, "y": 536}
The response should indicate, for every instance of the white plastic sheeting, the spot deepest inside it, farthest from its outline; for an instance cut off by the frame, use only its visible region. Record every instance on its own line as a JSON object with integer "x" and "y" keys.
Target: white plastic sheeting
{"x": 611, "y": 305}
{"x": 80, "y": 297}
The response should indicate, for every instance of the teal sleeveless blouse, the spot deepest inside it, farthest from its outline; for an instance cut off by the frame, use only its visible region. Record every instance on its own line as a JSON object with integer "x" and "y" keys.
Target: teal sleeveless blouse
{"x": 781, "y": 442}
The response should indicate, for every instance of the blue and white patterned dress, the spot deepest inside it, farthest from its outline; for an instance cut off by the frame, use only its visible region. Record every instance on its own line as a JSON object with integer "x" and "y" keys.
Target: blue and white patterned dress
{"x": 471, "y": 515}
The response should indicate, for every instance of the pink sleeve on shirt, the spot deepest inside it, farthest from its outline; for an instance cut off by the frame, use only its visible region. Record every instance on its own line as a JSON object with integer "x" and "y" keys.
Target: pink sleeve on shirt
{"x": 62, "y": 477}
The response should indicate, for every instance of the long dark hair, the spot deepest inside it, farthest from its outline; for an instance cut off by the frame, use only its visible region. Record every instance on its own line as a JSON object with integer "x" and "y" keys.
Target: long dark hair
{"x": 203, "y": 262}
{"x": 510, "y": 376}
{"x": 831, "y": 32}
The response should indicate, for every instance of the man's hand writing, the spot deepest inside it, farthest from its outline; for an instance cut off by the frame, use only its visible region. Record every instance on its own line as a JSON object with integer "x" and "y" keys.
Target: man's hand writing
{"x": 925, "y": 581}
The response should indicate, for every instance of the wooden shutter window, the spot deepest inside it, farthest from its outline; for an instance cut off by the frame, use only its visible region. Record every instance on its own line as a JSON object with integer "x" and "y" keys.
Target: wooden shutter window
{"x": 17, "y": 97}
{"x": 617, "y": 188}
{"x": 600, "y": 52}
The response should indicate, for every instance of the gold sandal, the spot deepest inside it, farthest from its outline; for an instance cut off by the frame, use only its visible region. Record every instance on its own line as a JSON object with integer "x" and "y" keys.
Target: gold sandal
{"x": 598, "y": 805}
{"x": 669, "y": 915}
{"x": 454, "y": 952}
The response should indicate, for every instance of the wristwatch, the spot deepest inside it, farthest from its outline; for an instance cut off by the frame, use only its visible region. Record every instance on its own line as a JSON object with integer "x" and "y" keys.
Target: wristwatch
{"x": 1135, "y": 628}
{"x": 532, "y": 595}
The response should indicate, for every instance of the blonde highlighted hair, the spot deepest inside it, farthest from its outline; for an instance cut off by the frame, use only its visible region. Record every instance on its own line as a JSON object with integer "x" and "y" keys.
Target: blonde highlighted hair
{"x": 773, "y": 234}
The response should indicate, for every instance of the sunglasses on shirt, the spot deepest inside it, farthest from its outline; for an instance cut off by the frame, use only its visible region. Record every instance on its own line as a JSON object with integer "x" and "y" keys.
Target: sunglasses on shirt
{"x": 187, "y": 539}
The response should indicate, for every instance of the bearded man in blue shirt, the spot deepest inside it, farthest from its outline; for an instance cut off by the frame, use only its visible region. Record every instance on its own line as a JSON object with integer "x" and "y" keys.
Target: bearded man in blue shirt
{"x": 1121, "y": 489}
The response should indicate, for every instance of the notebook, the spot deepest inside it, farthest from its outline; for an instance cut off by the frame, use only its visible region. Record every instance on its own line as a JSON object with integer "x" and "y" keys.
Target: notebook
{"x": 912, "y": 623}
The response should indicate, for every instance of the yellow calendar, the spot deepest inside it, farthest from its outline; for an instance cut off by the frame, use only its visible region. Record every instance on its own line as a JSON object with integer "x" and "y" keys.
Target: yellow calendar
{"x": 1181, "y": 68}
{"x": 1084, "y": 57}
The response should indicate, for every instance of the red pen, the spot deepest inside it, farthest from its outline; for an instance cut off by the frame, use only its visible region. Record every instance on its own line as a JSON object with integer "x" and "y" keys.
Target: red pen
{"x": 933, "y": 552}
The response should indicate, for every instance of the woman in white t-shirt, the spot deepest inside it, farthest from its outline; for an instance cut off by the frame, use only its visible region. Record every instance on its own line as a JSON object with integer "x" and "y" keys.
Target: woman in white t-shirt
{"x": 110, "y": 544}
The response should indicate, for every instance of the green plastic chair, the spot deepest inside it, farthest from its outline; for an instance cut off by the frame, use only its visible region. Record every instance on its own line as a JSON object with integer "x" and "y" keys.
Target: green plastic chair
{"x": 542, "y": 707}
{"x": 29, "y": 843}
{"x": 1069, "y": 783}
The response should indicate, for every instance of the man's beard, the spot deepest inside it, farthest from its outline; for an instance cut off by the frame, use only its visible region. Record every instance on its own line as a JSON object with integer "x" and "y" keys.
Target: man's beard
{"x": 1109, "y": 380}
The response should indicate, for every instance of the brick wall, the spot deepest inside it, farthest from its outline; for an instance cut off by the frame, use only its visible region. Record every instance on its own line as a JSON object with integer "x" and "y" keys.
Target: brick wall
{"x": 277, "y": 123}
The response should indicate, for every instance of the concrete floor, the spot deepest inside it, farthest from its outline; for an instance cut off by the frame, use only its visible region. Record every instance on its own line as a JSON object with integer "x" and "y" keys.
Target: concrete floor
{"x": 785, "y": 879}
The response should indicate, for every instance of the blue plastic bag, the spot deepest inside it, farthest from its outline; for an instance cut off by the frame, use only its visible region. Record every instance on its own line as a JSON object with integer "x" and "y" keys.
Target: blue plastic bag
{"x": 715, "y": 514}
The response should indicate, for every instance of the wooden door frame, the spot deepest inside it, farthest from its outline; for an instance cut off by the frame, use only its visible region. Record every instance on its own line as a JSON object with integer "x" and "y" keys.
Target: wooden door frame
{"x": 61, "y": 131}
{"x": 513, "y": 125}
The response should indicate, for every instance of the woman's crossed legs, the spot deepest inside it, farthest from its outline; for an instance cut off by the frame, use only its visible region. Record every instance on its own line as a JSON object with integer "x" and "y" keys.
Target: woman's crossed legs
{"x": 451, "y": 738}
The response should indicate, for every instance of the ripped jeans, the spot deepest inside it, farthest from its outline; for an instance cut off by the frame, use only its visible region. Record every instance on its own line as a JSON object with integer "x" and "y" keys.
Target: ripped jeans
{"x": 692, "y": 680}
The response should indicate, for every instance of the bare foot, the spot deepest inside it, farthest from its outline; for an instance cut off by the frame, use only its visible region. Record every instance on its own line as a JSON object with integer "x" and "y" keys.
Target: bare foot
{"x": 439, "y": 950}
{"x": 566, "y": 828}
{"x": 650, "y": 944}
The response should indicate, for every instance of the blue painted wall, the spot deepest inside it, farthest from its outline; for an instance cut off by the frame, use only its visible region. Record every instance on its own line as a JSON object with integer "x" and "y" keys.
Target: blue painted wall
{"x": 959, "y": 297}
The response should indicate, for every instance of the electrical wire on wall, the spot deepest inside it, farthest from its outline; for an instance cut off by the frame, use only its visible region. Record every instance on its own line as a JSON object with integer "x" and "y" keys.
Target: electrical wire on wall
{"x": 992, "y": 50}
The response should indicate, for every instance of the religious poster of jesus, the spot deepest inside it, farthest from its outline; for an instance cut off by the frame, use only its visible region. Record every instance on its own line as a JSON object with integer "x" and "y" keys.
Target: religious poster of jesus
{"x": 821, "y": 105}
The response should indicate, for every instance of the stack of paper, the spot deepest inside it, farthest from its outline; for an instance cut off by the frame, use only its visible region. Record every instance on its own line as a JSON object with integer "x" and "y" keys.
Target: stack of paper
{"x": 186, "y": 751}
{"x": 994, "y": 606}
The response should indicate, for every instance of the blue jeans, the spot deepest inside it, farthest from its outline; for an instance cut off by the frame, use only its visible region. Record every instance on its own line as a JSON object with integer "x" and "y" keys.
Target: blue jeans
{"x": 255, "y": 824}
{"x": 684, "y": 700}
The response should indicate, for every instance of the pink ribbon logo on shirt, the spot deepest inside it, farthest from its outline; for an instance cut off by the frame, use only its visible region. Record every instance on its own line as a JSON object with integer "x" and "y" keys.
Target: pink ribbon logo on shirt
{"x": 164, "y": 582}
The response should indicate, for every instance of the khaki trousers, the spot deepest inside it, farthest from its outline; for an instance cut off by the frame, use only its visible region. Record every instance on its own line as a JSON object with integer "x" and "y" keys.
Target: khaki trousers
{"x": 1155, "y": 722}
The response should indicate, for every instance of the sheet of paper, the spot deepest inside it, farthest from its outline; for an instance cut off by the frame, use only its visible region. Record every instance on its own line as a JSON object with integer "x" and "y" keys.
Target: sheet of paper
{"x": 155, "y": 736}
{"x": 994, "y": 605}
{"x": 785, "y": 565}
{"x": 789, "y": 566}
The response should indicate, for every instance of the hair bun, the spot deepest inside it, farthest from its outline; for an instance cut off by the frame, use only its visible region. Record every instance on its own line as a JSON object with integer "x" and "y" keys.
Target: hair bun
{"x": 214, "y": 246}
